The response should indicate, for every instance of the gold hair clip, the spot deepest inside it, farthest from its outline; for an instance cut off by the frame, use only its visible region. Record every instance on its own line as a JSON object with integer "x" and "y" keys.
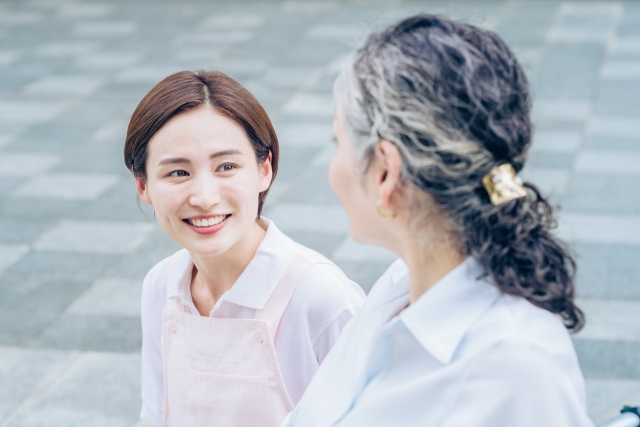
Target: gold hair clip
{"x": 503, "y": 185}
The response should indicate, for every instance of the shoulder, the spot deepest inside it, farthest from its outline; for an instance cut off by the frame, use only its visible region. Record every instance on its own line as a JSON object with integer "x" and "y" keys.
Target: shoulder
{"x": 325, "y": 285}
{"x": 526, "y": 346}
{"x": 154, "y": 286}
{"x": 324, "y": 291}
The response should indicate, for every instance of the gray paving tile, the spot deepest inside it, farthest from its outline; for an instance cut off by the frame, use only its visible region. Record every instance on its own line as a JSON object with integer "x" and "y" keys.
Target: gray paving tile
{"x": 604, "y": 193}
{"x": 137, "y": 264}
{"x": 29, "y": 304}
{"x": 311, "y": 105}
{"x": 93, "y": 333}
{"x": 550, "y": 181}
{"x": 324, "y": 243}
{"x": 67, "y": 48}
{"x": 615, "y": 126}
{"x": 233, "y": 21}
{"x": 560, "y": 110}
{"x": 294, "y": 160}
{"x": 600, "y": 359}
{"x": 608, "y": 271}
{"x": 351, "y": 251}
{"x": 94, "y": 237}
{"x": 29, "y": 112}
{"x": 104, "y": 29}
{"x": 25, "y": 164}
{"x": 10, "y": 254}
{"x": 556, "y": 142}
{"x": 9, "y": 183}
{"x": 308, "y": 217}
{"x": 106, "y": 60}
{"x": 16, "y": 230}
{"x": 101, "y": 389}
{"x": 625, "y": 46}
{"x": 549, "y": 160}
{"x": 23, "y": 372}
{"x": 608, "y": 161}
{"x": 600, "y": 228}
{"x": 610, "y": 320}
{"x": 60, "y": 266}
{"x": 303, "y": 134}
{"x": 614, "y": 143}
{"x": 85, "y": 10}
{"x": 605, "y": 398}
{"x": 312, "y": 186}
{"x": 37, "y": 209}
{"x": 65, "y": 85}
{"x": 109, "y": 297}
{"x": 621, "y": 70}
{"x": 66, "y": 186}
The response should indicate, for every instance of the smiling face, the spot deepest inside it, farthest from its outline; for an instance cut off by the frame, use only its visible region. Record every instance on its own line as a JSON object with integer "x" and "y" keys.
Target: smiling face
{"x": 203, "y": 181}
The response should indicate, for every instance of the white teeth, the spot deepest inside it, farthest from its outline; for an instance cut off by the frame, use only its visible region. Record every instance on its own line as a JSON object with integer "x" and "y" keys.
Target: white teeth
{"x": 207, "y": 222}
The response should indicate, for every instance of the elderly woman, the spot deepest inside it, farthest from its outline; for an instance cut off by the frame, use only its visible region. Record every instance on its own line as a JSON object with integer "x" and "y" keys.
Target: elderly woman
{"x": 470, "y": 326}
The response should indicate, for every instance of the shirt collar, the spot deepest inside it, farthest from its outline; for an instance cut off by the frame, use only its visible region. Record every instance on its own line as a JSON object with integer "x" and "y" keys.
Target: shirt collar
{"x": 441, "y": 317}
{"x": 256, "y": 283}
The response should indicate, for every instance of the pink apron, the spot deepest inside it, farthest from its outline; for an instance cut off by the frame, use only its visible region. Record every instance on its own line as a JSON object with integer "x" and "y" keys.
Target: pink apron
{"x": 224, "y": 372}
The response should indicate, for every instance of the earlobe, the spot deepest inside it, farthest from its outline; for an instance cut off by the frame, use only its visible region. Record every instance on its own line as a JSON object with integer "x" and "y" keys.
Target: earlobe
{"x": 141, "y": 186}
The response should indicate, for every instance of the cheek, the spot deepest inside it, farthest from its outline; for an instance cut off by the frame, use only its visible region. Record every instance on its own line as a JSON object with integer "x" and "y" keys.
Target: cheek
{"x": 338, "y": 179}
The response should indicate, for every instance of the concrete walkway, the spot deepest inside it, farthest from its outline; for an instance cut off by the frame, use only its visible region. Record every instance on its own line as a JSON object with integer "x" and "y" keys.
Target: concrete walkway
{"x": 74, "y": 246}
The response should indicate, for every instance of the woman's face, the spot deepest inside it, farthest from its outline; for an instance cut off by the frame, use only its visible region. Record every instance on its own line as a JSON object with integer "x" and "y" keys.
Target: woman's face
{"x": 355, "y": 191}
{"x": 203, "y": 181}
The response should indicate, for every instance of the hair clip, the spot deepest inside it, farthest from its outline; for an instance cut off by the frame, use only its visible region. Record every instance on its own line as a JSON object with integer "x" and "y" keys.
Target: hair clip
{"x": 503, "y": 185}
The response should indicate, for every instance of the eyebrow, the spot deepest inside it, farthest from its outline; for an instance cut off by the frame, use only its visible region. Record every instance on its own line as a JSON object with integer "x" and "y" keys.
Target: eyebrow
{"x": 178, "y": 160}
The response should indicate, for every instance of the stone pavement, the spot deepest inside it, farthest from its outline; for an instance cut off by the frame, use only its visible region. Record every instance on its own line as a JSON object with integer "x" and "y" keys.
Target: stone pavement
{"x": 74, "y": 246}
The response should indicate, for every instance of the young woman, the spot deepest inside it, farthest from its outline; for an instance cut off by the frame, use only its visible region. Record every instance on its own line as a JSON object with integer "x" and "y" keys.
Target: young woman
{"x": 469, "y": 328}
{"x": 235, "y": 324}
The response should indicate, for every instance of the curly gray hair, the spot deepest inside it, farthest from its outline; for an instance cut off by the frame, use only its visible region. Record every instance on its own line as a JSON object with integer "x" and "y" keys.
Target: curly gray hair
{"x": 454, "y": 100}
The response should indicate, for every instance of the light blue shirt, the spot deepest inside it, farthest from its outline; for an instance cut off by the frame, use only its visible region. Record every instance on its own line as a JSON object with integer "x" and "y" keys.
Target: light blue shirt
{"x": 462, "y": 355}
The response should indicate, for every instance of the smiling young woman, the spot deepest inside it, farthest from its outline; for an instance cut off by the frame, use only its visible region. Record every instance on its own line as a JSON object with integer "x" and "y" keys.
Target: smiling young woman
{"x": 236, "y": 323}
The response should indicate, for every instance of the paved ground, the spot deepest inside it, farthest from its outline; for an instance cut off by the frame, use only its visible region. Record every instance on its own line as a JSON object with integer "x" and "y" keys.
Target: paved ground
{"x": 74, "y": 246}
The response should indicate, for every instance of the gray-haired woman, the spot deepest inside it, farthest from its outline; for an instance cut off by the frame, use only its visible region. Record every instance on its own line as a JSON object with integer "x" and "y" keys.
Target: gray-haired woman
{"x": 469, "y": 328}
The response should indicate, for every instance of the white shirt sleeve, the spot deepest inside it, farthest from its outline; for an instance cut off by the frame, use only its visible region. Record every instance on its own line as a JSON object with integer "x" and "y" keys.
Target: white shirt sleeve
{"x": 153, "y": 301}
{"x": 519, "y": 384}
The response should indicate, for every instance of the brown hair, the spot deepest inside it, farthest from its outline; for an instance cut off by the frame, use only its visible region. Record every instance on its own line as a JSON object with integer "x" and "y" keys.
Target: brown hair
{"x": 187, "y": 90}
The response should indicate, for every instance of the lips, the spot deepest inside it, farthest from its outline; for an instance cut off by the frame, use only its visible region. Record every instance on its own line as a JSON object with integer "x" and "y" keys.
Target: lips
{"x": 207, "y": 225}
{"x": 206, "y": 222}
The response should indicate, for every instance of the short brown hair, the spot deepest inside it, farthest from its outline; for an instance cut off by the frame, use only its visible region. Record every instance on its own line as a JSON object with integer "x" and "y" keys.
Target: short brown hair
{"x": 187, "y": 90}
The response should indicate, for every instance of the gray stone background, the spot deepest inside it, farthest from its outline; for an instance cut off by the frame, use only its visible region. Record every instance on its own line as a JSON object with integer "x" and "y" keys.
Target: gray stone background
{"x": 74, "y": 246}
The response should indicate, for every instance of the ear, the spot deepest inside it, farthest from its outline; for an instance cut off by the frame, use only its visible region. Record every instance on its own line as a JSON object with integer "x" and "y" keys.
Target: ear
{"x": 141, "y": 186}
{"x": 388, "y": 171}
{"x": 266, "y": 173}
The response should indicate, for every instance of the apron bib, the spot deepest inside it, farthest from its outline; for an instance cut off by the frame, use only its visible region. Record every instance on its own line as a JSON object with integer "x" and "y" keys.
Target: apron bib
{"x": 224, "y": 372}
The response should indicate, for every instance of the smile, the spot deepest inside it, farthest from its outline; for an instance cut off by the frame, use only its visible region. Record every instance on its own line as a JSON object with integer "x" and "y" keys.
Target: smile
{"x": 206, "y": 222}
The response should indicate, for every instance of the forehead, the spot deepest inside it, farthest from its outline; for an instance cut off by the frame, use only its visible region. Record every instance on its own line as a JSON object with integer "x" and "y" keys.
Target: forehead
{"x": 202, "y": 128}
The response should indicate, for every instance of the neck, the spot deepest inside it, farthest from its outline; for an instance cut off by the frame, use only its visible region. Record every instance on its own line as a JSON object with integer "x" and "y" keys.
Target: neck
{"x": 428, "y": 264}
{"x": 213, "y": 276}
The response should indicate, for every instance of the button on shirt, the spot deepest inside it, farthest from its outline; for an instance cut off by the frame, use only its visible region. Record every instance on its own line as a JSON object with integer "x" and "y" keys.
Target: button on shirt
{"x": 462, "y": 355}
{"x": 322, "y": 304}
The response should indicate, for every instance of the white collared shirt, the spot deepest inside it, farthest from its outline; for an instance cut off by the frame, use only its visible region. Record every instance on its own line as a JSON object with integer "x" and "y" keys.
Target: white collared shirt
{"x": 322, "y": 304}
{"x": 462, "y": 355}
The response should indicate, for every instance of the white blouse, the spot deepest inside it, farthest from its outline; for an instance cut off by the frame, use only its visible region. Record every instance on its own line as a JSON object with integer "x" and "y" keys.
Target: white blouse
{"x": 322, "y": 304}
{"x": 462, "y": 355}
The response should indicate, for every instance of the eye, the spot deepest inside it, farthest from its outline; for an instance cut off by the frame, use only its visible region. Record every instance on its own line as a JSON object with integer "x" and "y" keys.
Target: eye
{"x": 179, "y": 173}
{"x": 226, "y": 167}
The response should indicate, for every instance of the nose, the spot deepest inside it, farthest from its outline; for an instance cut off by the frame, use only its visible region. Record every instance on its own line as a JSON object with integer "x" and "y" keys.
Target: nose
{"x": 204, "y": 192}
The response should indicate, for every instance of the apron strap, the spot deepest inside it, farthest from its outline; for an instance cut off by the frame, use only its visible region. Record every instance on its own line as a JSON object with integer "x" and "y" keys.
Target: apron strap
{"x": 301, "y": 260}
{"x": 177, "y": 269}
